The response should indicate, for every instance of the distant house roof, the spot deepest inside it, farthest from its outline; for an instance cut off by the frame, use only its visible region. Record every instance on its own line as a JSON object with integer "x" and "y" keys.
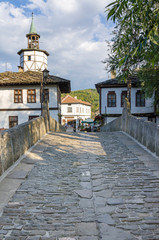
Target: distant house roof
{"x": 32, "y": 78}
{"x": 115, "y": 82}
{"x": 69, "y": 99}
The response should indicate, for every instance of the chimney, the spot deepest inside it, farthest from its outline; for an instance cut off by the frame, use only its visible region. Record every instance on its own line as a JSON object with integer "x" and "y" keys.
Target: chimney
{"x": 113, "y": 74}
{"x": 75, "y": 97}
{"x": 20, "y": 69}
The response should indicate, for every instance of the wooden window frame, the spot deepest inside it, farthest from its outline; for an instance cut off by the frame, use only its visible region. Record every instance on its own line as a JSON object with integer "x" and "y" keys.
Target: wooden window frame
{"x": 140, "y": 93}
{"x": 20, "y": 93}
{"x": 11, "y": 121}
{"x": 109, "y": 94}
{"x": 123, "y": 93}
{"x": 33, "y": 99}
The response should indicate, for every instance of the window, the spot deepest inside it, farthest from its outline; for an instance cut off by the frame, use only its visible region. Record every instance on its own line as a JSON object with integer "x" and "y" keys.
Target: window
{"x": 140, "y": 99}
{"x": 77, "y": 109}
{"x": 46, "y": 95}
{"x": 13, "y": 121}
{"x": 69, "y": 109}
{"x": 123, "y": 96}
{"x": 111, "y": 99}
{"x": 18, "y": 96}
{"x": 31, "y": 95}
{"x": 29, "y": 58}
{"x": 33, "y": 116}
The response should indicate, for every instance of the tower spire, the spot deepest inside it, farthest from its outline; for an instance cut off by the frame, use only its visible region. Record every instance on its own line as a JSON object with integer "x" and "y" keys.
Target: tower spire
{"x": 32, "y": 26}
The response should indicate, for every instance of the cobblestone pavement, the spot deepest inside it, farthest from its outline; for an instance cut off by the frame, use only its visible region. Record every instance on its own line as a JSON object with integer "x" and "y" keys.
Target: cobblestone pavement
{"x": 85, "y": 186}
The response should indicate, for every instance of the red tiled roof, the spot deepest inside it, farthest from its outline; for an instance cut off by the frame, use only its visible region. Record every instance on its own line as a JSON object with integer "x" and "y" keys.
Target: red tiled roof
{"x": 70, "y": 99}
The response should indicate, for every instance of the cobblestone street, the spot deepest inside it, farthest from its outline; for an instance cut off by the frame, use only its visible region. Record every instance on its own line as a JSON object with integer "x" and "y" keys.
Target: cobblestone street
{"x": 85, "y": 186}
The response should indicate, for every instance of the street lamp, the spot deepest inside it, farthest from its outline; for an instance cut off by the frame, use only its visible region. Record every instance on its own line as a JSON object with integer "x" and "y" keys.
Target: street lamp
{"x": 45, "y": 75}
{"x": 43, "y": 82}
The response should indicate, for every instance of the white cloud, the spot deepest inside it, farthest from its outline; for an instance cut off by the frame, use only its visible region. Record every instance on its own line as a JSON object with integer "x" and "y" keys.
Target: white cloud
{"x": 72, "y": 31}
{"x": 5, "y": 66}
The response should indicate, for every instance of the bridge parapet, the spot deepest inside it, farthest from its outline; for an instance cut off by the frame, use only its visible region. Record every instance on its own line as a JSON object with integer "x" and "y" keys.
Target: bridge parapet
{"x": 15, "y": 141}
{"x": 145, "y": 132}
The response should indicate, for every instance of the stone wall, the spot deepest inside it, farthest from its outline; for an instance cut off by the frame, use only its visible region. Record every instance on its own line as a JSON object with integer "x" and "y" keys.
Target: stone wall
{"x": 145, "y": 132}
{"x": 15, "y": 141}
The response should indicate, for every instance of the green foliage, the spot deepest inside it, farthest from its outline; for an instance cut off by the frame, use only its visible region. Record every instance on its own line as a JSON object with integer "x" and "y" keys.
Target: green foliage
{"x": 87, "y": 95}
{"x": 150, "y": 83}
{"x": 136, "y": 39}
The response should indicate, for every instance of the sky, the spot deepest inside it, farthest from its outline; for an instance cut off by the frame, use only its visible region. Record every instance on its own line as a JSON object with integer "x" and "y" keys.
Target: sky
{"x": 74, "y": 32}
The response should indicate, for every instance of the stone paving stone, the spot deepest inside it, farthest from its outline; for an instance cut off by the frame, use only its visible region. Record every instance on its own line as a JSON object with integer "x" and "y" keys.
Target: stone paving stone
{"x": 113, "y": 233}
{"x": 84, "y": 193}
{"x": 115, "y": 201}
{"x": 18, "y": 174}
{"x": 86, "y": 229}
{"x": 85, "y": 186}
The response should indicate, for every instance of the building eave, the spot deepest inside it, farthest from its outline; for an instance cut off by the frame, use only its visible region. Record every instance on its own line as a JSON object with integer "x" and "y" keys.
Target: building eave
{"x": 32, "y": 49}
{"x": 31, "y": 78}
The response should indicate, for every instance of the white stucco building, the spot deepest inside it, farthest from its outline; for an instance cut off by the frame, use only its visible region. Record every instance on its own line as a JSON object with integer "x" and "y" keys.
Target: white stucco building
{"x": 73, "y": 109}
{"x": 20, "y": 94}
{"x": 112, "y": 94}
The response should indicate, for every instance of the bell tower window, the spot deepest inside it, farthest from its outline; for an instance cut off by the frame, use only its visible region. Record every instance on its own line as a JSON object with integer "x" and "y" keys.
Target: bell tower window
{"x": 33, "y": 41}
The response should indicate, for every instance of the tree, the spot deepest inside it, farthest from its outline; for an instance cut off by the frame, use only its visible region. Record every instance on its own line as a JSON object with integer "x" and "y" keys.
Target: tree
{"x": 136, "y": 41}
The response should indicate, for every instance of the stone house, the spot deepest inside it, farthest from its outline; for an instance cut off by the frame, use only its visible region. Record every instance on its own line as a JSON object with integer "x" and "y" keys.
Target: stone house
{"x": 20, "y": 92}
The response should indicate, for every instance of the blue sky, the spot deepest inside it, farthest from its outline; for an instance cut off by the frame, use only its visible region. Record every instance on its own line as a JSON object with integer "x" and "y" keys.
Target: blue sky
{"x": 72, "y": 31}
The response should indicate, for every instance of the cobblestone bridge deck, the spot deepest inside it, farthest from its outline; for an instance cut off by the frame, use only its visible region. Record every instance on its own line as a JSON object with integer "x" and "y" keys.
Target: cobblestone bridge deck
{"x": 82, "y": 186}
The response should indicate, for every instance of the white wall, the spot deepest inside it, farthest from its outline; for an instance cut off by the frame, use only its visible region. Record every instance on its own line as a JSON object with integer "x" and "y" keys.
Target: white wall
{"x": 118, "y": 109}
{"x": 111, "y": 110}
{"x": 7, "y": 102}
{"x": 23, "y": 116}
{"x": 148, "y": 103}
{"x": 84, "y": 111}
{"x": 38, "y": 60}
{"x": 7, "y": 98}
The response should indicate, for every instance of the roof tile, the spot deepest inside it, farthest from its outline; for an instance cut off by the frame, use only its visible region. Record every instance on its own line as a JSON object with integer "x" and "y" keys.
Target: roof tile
{"x": 70, "y": 99}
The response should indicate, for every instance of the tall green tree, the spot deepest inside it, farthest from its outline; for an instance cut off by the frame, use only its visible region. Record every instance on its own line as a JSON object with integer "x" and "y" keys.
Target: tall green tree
{"x": 136, "y": 41}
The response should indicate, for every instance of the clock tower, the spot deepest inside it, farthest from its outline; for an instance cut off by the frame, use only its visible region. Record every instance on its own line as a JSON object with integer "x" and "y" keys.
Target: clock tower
{"x": 33, "y": 58}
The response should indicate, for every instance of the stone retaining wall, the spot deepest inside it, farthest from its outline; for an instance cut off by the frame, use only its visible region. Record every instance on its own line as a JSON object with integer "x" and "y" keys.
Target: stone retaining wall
{"x": 145, "y": 132}
{"x": 15, "y": 141}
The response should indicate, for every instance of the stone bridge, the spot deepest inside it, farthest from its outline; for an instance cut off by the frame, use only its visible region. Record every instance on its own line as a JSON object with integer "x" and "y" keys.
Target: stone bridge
{"x": 82, "y": 186}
